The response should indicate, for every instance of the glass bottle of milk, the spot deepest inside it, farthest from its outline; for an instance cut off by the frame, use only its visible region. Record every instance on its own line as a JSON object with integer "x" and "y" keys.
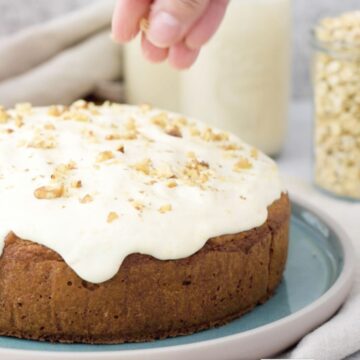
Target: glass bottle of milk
{"x": 241, "y": 80}
{"x": 155, "y": 84}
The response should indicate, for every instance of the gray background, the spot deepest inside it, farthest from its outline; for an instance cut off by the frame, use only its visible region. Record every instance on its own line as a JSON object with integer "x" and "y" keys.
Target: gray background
{"x": 17, "y": 14}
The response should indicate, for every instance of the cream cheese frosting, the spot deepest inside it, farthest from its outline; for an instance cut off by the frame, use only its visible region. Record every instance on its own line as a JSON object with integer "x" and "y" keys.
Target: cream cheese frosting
{"x": 97, "y": 183}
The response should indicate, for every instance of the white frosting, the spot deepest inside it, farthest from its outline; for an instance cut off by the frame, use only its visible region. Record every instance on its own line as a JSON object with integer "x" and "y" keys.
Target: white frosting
{"x": 159, "y": 195}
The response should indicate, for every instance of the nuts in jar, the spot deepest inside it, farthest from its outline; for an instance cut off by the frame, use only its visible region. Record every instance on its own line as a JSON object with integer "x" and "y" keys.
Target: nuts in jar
{"x": 337, "y": 104}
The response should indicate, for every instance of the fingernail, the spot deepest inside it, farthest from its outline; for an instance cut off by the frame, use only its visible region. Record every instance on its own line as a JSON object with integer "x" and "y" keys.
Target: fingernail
{"x": 164, "y": 29}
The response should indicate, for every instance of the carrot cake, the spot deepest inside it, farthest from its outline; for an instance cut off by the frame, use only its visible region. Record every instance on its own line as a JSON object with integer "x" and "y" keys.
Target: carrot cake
{"x": 126, "y": 223}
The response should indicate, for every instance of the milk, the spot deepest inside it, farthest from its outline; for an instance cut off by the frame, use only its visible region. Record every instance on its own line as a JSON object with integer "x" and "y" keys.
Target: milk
{"x": 155, "y": 84}
{"x": 241, "y": 79}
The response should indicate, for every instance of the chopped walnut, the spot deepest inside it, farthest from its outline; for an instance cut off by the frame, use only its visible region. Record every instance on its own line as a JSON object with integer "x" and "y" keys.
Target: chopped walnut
{"x": 49, "y": 192}
{"x": 77, "y": 184}
{"x": 160, "y": 120}
{"x": 210, "y": 135}
{"x": 242, "y": 164}
{"x": 194, "y": 131}
{"x": 204, "y": 164}
{"x": 80, "y": 104}
{"x": 121, "y": 149}
{"x": 174, "y": 131}
{"x": 130, "y": 125}
{"x": 76, "y": 116}
{"x": 165, "y": 208}
{"x": 163, "y": 171}
{"x": 129, "y": 135}
{"x": 112, "y": 216}
{"x": 180, "y": 122}
{"x": 56, "y": 110}
{"x": 137, "y": 205}
{"x": 94, "y": 111}
{"x": 231, "y": 147}
{"x": 254, "y": 153}
{"x": 4, "y": 116}
{"x": 144, "y": 25}
{"x": 86, "y": 199}
{"x": 104, "y": 156}
{"x": 144, "y": 166}
{"x": 196, "y": 172}
{"x": 171, "y": 184}
{"x": 71, "y": 165}
{"x": 61, "y": 171}
{"x": 112, "y": 137}
{"x": 42, "y": 141}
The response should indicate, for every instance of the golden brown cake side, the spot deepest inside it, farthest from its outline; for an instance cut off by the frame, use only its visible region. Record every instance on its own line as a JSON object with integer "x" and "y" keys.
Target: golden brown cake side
{"x": 42, "y": 298}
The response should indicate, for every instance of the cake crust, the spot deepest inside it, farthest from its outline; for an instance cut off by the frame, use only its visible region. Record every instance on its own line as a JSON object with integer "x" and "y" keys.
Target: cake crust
{"x": 42, "y": 298}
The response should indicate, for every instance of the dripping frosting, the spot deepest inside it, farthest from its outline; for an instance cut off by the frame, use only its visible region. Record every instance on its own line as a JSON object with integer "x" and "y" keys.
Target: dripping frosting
{"x": 97, "y": 183}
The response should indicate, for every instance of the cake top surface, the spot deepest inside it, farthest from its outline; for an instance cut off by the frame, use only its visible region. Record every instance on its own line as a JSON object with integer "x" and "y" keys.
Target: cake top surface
{"x": 97, "y": 183}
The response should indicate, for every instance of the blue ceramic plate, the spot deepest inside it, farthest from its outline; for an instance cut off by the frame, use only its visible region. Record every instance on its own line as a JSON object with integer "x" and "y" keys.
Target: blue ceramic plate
{"x": 316, "y": 282}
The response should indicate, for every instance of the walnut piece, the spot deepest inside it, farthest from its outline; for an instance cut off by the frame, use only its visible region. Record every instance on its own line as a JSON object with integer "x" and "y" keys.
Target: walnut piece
{"x": 56, "y": 110}
{"x": 242, "y": 164}
{"x": 165, "y": 208}
{"x": 112, "y": 216}
{"x": 139, "y": 206}
{"x": 4, "y": 116}
{"x": 174, "y": 131}
{"x": 210, "y": 135}
{"x": 104, "y": 156}
{"x": 160, "y": 120}
{"x": 77, "y": 184}
{"x": 43, "y": 141}
{"x": 172, "y": 184}
{"x": 121, "y": 149}
{"x": 61, "y": 171}
{"x": 144, "y": 166}
{"x": 195, "y": 172}
{"x": 49, "y": 192}
{"x": 144, "y": 25}
{"x": 86, "y": 199}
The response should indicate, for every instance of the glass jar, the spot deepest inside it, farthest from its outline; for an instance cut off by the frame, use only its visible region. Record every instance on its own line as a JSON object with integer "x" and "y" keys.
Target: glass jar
{"x": 241, "y": 79}
{"x": 336, "y": 75}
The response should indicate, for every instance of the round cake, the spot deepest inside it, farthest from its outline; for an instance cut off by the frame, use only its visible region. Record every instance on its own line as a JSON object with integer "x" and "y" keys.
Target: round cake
{"x": 127, "y": 223}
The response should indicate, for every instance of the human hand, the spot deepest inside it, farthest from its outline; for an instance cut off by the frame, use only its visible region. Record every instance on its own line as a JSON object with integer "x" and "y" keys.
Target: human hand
{"x": 177, "y": 29}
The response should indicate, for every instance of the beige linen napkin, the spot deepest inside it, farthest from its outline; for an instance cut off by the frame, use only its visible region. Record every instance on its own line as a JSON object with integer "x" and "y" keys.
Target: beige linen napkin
{"x": 62, "y": 60}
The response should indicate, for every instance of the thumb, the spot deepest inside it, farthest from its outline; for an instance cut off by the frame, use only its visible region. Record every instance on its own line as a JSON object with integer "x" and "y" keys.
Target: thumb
{"x": 171, "y": 20}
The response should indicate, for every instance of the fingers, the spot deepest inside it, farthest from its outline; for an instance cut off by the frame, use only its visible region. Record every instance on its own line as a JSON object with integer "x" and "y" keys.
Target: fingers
{"x": 181, "y": 57}
{"x": 170, "y": 20}
{"x": 207, "y": 25}
{"x": 177, "y": 28}
{"x": 126, "y": 19}
{"x": 151, "y": 52}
